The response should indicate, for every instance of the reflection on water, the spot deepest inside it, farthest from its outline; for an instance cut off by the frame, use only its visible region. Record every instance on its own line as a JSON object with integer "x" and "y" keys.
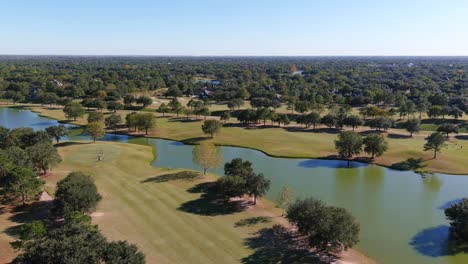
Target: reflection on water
{"x": 398, "y": 210}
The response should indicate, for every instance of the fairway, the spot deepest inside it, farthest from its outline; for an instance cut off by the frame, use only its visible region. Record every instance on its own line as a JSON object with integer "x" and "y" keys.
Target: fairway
{"x": 138, "y": 208}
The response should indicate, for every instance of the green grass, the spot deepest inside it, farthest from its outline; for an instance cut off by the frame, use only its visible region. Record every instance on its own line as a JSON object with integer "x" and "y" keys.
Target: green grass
{"x": 139, "y": 206}
{"x": 163, "y": 212}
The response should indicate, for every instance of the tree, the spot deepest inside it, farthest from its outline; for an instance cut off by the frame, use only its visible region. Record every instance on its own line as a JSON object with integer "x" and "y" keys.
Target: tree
{"x": 235, "y": 103}
{"x": 413, "y": 125}
{"x": 211, "y": 127}
{"x": 327, "y": 228}
{"x": 375, "y": 145}
{"x": 352, "y": 121}
{"x": 302, "y": 106}
{"x": 282, "y": 119}
{"x": 144, "y": 100}
{"x": 72, "y": 244}
{"x": 204, "y": 111}
{"x": 207, "y": 156}
{"x": 22, "y": 183}
{"x": 114, "y": 106}
{"x": 146, "y": 121}
{"x": 435, "y": 142}
{"x": 129, "y": 99}
{"x": 44, "y": 156}
{"x": 380, "y": 122}
{"x": 99, "y": 104}
{"x": 113, "y": 120}
{"x": 285, "y": 197}
{"x": 95, "y": 117}
{"x": 73, "y": 110}
{"x": 17, "y": 156}
{"x": 131, "y": 120}
{"x": 76, "y": 193}
{"x": 263, "y": 114}
{"x": 48, "y": 98}
{"x": 57, "y": 132}
{"x": 175, "y": 106}
{"x": 434, "y": 111}
{"x": 257, "y": 186}
{"x": 348, "y": 144}
{"x": 163, "y": 109}
{"x": 30, "y": 231}
{"x": 225, "y": 116}
{"x": 457, "y": 214}
{"x": 75, "y": 240}
{"x": 329, "y": 120}
{"x": 455, "y": 112}
{"x": 95, "y": 130}
{"x": 238, "y": 167}
{"x": 447, "y": 129}
{"x": 230, "y": 187}
{"x": 121, "y": 252}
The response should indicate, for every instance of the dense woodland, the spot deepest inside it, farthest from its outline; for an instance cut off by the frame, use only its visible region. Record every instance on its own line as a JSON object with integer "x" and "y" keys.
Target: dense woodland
{"x": 420, "y": 82}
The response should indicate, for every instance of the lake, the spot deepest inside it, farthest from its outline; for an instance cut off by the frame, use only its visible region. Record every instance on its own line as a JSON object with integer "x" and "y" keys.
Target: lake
{"x": 401, "y": 213}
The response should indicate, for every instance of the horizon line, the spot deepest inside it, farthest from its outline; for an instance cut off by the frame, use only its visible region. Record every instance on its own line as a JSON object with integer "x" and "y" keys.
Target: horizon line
{"x": 161, "y": 55}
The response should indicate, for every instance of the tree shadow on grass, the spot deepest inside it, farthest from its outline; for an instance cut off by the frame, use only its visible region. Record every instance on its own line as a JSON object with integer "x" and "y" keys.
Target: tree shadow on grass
{"x": 397, "y": 136}
{"x": 437, "y": 242}
{"x": 278, "y": 245}
{"x": 209, "y": 204}
{"x": 372, "y": 131}
{"x": 182, "y": 175}
{"x": 28, "y": 213}
{"x": 70, "y": 143}
{"x": 253, "y": 221}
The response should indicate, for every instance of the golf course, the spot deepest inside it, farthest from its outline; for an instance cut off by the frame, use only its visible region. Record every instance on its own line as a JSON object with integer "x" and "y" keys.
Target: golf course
{"x": 295, "y": 142}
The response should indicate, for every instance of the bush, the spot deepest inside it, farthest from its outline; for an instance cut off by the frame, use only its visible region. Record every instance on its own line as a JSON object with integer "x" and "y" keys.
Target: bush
{"x": 77, "y": 192}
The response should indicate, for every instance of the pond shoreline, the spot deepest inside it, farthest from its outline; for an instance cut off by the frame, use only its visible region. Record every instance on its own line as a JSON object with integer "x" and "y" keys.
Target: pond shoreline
{"x": 334, "y": 157}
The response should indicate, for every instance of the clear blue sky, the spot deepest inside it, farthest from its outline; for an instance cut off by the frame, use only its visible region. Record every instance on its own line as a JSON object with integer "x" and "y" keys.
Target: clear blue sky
{"x": 234, "y": 27}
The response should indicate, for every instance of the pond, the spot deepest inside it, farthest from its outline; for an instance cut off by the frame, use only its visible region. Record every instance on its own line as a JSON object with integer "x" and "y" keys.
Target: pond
{"x": 400, "y": 212}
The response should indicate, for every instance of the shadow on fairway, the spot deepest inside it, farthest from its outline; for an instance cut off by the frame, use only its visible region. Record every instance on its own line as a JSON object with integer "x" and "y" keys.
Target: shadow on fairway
{"x": 398, "y": 136}
{"x": 278, "y": 245}
{"x": 209, "y": 203}
{"x": 70, "y": 143}
{"x": 182, "y": 175}
{"x": 253, "y": 221}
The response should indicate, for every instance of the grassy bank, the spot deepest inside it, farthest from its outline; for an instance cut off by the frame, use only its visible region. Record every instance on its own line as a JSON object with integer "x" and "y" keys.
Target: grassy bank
{"x": 298, "y": 143}
{"x": 164, "y": 212}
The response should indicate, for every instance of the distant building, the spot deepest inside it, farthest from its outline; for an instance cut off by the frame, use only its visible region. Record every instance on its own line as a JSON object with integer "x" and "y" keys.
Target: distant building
{"x": 203, "y": 93}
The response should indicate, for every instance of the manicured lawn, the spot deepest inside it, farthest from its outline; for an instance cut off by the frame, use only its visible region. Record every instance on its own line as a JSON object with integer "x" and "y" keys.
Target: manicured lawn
{"x": 143, "y": 209}
{"x": 306, "y": 144}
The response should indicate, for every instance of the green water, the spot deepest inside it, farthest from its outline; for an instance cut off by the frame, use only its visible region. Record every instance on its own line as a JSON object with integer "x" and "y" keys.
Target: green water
{"x": 401, "y": 213}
